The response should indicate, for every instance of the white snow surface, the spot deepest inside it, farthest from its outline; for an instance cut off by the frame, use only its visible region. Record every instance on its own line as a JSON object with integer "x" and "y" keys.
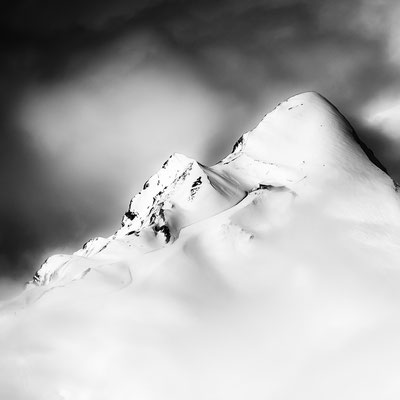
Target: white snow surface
{"x": 273, "y": 274}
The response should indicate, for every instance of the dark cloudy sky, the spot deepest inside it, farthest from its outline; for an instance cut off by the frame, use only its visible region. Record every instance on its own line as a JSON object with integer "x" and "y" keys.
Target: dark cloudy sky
{"x": 95, "y": 95}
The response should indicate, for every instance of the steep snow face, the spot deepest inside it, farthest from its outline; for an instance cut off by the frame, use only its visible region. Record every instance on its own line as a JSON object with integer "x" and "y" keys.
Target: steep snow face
{"x": 305, "y": 129}
{"x": 181, "y": 193}
{"x": 174, "y": 197}
{"x": 273, "y": 274}
{"x": 303, "y": 136}
{"x": 306, "y": 144}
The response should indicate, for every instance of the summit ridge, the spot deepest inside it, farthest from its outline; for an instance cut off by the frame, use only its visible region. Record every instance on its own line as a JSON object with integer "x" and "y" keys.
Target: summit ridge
{"x": 304, "y": 145}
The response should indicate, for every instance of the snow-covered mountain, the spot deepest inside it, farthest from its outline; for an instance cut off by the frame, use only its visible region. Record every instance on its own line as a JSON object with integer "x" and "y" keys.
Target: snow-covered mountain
{"x": 273, "y": 274}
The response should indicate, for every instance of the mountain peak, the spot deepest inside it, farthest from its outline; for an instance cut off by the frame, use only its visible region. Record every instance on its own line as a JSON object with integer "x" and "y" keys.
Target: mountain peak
{"x": 304, "y": 146}
{"x": 304, "y": 129}
{"x": 306, "y": 97}
{"x": 304, "y": 134}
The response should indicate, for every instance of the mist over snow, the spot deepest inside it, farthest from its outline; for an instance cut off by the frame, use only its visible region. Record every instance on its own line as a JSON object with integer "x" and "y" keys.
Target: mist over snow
{"x": 271, "y": 274}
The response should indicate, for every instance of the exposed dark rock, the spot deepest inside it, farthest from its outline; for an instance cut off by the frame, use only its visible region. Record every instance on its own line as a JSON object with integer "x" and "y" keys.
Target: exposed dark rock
{"x": 197, "y": 182}
{"x": 237, "y": 144}
{"x": 131, "y": 215}
{"x": 165, "y": 231}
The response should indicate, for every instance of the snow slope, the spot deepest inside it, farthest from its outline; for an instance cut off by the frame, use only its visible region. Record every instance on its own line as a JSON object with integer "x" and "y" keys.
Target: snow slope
{"x": 273, "y": 274}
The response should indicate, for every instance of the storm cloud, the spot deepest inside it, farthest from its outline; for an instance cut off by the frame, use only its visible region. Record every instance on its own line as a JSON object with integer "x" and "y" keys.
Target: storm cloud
{"x": 95, "y": 95}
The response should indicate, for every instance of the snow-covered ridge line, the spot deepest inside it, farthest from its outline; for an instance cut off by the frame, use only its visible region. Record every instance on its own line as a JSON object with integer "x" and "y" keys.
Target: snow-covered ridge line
{"x": 305, "y": 144}
{"x": 171, "y": 199}
{"x": 146, "y": 209}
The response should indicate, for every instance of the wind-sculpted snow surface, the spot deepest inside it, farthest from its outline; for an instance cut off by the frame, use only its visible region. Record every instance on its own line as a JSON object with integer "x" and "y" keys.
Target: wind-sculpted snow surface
{"x": 273, "y": 274}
